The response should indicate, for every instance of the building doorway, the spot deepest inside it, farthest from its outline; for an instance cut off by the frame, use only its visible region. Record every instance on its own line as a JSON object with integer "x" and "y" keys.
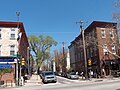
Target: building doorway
{"x": 107, "y": 70}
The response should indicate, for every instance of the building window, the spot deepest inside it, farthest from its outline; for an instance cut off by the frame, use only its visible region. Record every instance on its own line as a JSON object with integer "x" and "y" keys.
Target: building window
{"x": 111, "y": 34}
{"x": 95, "y": 50}
{"x": 12, "y": 30}
{"x": 12, "y": 35}
{"x": 105, "y": 49}
{"x": 93, "y": 33}
{"x": 87, "y": 52}
{"x": 103, "y": 33}
{"x": 91, "y": 52}
{"x": 113, "y": 49}
{"x": 82, "y": 56}
{"x": 12, "y": 50}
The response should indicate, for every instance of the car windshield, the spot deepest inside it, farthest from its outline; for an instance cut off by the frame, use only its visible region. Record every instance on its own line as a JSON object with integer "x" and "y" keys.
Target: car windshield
{"x": 49, "y": 73}
{"x": 72, "y": 73}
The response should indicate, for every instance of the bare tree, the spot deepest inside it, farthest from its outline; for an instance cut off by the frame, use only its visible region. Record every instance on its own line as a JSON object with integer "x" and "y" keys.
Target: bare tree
{"x": 60, "y": 59}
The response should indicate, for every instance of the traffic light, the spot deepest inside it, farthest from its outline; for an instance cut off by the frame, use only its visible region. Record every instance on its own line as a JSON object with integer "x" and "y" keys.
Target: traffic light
{"x": 23, "y": 61}
{"x": 89, "y": 62}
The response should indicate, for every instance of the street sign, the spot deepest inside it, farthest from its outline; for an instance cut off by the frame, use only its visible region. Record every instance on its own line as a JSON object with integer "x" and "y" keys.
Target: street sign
{"x": 17, "y": 55}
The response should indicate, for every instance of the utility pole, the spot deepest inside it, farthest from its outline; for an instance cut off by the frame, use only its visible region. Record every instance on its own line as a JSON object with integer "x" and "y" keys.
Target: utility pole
{"x": 28, "y": 59}
{"x": 84, "y": 49}
{"x": 64, "y": 66}
{"x": 63, "y": 46}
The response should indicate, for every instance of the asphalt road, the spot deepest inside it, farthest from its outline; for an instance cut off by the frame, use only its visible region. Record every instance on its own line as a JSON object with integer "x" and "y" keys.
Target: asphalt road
{"x": 66, "y": 84}
{"x": 62, "y": 80}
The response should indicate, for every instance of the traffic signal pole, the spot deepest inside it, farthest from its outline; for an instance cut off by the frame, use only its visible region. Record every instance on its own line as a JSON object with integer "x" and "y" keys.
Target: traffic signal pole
{"x": 86, "y": 71}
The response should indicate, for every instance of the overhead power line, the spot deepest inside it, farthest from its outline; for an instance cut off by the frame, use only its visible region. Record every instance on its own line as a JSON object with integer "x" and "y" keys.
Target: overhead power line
{"x": 53, "y": 32}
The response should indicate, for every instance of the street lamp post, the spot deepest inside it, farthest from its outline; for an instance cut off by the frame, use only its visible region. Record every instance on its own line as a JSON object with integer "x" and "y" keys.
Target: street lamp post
{"x": 18, "y": 14}
{"x": 83, "y": 37}
{"x": 18, "y": 66}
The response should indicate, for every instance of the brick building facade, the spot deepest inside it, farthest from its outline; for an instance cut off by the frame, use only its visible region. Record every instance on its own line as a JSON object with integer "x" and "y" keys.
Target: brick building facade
{"x": 13, "y": 47}
{"x": 101, "y": 44}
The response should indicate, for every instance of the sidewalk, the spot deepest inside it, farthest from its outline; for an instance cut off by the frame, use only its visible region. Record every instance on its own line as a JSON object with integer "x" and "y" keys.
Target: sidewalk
{"x": 34, "y": 80}
{"x": 100, "y": 79}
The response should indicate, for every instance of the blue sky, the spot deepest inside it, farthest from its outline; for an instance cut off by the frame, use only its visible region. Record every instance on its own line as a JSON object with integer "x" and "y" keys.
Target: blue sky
{"x": 56, "y": 17}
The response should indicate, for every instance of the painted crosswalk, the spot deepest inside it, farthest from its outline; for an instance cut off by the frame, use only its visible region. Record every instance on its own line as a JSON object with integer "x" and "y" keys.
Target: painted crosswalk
{"x": 62, "y": 80}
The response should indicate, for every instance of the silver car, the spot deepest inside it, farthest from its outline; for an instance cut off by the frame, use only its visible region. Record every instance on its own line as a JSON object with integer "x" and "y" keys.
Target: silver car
{"x": 72, "y": 75}
{"x": 48, "y": 76}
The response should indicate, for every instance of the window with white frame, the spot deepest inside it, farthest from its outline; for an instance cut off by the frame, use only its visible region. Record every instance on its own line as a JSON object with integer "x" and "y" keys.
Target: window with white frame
{"x": 105, "y": 49}
{"x": 12, "y": 35}
{"x": 103, "y": 34}
{"x": 113, "y": 49}
{"x": 12, "y": 49}
{"x": 111, "y": 34}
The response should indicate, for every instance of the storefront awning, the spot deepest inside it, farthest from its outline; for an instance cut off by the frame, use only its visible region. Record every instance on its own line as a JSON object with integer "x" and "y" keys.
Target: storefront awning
{"x": 5, "y": 65}
{"x": 8, "y": 60}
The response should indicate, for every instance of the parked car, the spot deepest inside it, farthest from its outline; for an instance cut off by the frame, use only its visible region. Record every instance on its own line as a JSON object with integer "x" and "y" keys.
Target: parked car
{"x": 59, "y": 73}
{"x": 72, "y": 75}
{"x": 62, "y": 74}
{"x": 48, "y": 76}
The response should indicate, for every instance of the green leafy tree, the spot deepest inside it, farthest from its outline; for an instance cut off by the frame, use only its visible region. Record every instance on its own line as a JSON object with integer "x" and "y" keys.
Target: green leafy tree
{"x": 41, "y": 47}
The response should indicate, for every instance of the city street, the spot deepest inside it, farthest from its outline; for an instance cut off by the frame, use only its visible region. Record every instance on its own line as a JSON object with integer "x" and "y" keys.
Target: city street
{"x": 114, "y": 85}
{"x": 60, "y": 45}
{"x": 67, "y": 84}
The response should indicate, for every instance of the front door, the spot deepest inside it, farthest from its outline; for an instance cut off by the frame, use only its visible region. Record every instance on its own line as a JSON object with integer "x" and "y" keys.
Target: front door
{"x": 107, "y": 70}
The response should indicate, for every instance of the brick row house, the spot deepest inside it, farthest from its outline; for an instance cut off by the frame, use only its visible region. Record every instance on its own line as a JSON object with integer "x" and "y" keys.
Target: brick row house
{"x": 13, "y": 50}
{"x": 101, "y": 45}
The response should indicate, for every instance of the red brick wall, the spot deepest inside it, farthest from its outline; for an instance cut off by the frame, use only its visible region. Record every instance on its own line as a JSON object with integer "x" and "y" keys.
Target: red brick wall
{"x": 107, "y": 41}
{"x": 8, "y": 76}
